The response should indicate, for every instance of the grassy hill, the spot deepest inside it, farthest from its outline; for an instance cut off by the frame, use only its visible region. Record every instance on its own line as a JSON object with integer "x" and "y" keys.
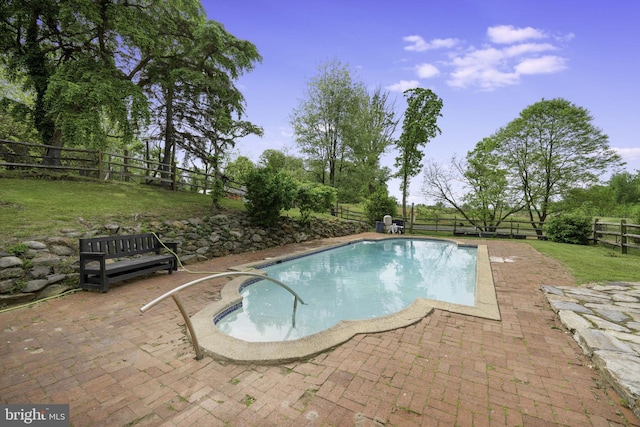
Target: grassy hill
{"x": 31, "y": 207}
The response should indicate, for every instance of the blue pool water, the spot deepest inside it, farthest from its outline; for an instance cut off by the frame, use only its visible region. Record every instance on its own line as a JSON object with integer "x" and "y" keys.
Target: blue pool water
{"x": 353, "y": 282}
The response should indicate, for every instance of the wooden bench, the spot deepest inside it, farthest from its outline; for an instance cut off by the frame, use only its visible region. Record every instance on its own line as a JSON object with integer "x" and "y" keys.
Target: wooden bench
{"x": 130, "y": 259}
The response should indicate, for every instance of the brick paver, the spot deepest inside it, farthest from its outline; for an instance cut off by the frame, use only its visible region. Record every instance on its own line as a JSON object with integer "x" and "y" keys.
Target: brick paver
{"x": 117, "y": 367}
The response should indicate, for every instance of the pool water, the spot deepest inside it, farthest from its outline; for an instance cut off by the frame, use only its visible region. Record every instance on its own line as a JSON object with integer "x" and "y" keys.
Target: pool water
{"x": 357, "y": 281}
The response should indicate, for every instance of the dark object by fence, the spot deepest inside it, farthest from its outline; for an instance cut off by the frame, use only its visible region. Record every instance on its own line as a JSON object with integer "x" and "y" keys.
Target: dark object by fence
{"x": 129, "y": 252}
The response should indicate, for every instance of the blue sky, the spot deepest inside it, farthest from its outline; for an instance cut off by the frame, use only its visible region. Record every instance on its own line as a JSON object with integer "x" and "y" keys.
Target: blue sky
{"x": 487, "y": 60}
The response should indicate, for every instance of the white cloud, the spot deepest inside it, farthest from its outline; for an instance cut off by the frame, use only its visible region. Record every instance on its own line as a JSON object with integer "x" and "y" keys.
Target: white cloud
{"x": 485, "y": 68}
{"x": 542, "y": 65}
{"x": 443, "y": 43}
{"x": 508, "y": 34}
{"x": 632, "y": 153}
{"x": 418, "y": 44}
{"x": 526, "y": 48}
{"x": 486, "y": 78}
{"x": 403, "y": 85}
{"x": 426, "y": 71}
{"x": 511, "y": 54}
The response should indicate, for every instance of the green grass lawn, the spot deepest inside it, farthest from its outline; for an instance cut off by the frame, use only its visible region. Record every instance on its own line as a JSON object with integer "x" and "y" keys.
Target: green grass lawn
{"x": 31, "y": 208}
{"x": 592, "y": 263}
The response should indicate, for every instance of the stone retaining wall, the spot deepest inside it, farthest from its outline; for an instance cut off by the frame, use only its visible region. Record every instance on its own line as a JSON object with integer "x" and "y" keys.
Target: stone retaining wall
{"x": 44, "y": 267}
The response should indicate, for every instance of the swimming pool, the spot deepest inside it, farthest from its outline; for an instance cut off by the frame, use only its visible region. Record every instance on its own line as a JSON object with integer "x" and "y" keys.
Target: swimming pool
{"x": 222, "y": 346}
{"x": 362, "y": 280}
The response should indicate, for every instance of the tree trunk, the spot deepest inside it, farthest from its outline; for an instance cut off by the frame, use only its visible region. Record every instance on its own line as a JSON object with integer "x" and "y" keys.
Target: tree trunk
{"x": 169, "y": 143}
{"x": 53, "y": 153}
{"x": 36, "y": 63}
{"x": 405, "y": 180}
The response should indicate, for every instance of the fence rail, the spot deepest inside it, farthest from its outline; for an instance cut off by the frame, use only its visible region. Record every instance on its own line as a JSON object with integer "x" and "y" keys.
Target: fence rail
{"x": 618, "y": 234}
{"x": 510, "y": 228}
{"x": 102, "y": 166}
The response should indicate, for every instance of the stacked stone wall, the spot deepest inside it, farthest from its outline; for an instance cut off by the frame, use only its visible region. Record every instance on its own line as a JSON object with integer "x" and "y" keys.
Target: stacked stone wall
{"x": 47, "y": 266}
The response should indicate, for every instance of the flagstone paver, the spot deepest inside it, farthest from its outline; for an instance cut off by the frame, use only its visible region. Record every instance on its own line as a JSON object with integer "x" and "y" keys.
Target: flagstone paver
{"x": 117, "y": 367}
{"x": 610, "y": 335}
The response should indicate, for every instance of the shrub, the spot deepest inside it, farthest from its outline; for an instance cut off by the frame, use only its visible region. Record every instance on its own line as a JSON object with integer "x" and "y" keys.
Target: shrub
{"x": 314, "y": 198}
{"x": 569, "y": 228}
{"x": 379, "y": 205}
{"x": 268, "y": 193}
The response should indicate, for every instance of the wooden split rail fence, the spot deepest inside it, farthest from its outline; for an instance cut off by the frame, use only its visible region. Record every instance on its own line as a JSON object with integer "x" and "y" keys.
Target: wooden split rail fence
{"x": 103, "y": 166}
{"x": 618, "y": 234}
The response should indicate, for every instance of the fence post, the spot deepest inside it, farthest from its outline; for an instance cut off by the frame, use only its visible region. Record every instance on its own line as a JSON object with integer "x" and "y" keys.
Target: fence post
{"x": 623, "y": 236}
{"x": 173, "y": 176}
{"x": 125, "y": 165}
{"x": 412, "y": 218}
{"x": 595, "y": 231}
{"x": 100, "y": 166}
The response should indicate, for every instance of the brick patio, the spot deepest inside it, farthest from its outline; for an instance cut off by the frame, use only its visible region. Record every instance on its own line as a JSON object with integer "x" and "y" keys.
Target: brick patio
{"x": 117, "y": 367}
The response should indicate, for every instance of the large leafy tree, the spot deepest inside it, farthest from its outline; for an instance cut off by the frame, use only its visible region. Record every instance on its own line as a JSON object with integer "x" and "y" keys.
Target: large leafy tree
{"x": 322, "y": 120}
{"x": 196, "y": 102}
{"x": 372, "y": 135}
{"x": 552, "y": 147}
{"x": 343, "y": 130}
{"x": 96, "y": 66}
{"x": 419, "y": 126}
{"x": 69, "y": 54}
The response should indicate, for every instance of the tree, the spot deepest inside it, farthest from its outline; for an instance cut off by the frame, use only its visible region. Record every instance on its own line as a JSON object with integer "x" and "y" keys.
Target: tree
{"x": 549, "y": 149}
{"x": 70, "y": 54}
{"x": 343, "y": 130}
{"x": 371, "y": 135}
{"x": 596, "y": 200}
{"x": 488, "y": 197}
{"x": 278, "y": 160}
{"x": 418, "y": 128}
{"x": 96, "y": 66}
{"x": 625, "y": 188}
{"x": 197, "y": 105}
{"x": 491, "y": 198}
{"x": 237, "y": 170}
{"x": 321, "y": 121}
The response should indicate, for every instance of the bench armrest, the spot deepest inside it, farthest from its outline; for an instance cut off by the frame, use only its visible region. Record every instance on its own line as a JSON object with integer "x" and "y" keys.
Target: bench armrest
{"x": 92, "y": 256}
{"x": 173, "y": 246}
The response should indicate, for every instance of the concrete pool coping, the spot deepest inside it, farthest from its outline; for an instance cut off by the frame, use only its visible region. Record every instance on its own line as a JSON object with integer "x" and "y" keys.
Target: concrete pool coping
{"x": 221, "y": 346}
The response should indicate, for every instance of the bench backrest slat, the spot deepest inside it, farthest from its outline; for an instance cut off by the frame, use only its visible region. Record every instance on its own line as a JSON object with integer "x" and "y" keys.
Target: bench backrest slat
{"x": 120, "y": 246}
